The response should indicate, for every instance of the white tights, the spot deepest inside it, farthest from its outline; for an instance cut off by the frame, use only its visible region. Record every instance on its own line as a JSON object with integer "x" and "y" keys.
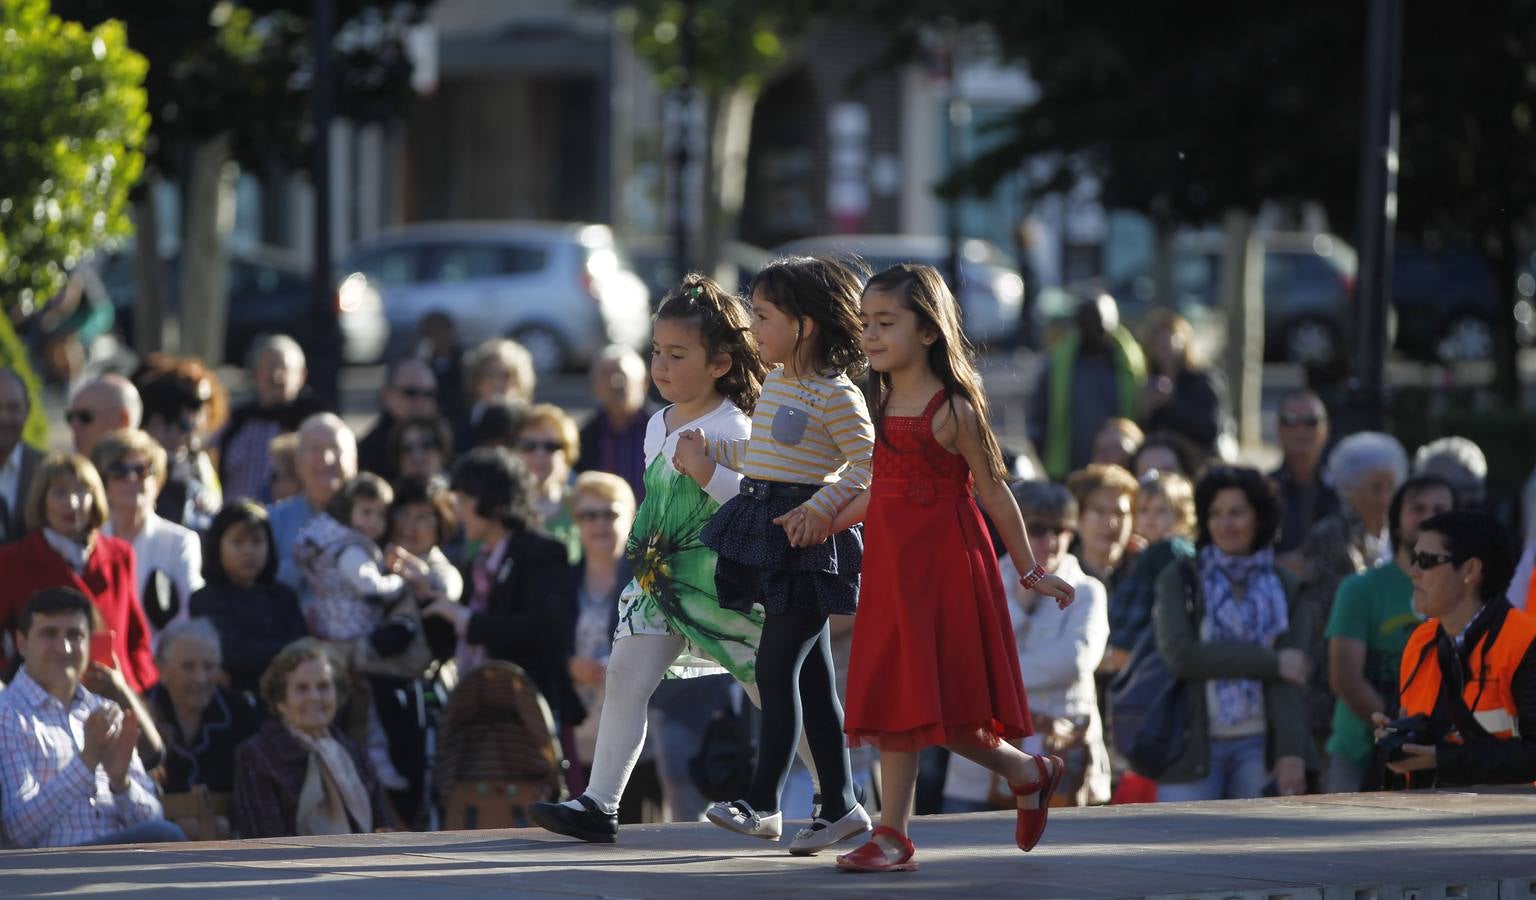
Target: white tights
{"x": 634, "y": 670}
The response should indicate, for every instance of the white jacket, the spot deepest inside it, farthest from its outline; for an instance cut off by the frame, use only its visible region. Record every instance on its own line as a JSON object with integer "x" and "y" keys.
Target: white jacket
{"x": 174, "y": 552}
{"x": 1059, "y": 650}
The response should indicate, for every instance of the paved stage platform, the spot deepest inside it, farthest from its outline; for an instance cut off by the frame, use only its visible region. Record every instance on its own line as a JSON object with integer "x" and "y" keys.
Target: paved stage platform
{"x": 1355, "y": 847}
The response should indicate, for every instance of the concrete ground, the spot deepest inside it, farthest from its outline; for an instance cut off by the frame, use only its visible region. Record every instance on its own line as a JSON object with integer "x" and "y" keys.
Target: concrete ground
{"x": 1377, "y": 846}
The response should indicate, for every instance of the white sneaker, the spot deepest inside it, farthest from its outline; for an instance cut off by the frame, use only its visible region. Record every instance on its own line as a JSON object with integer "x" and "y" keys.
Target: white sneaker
{"x": 821, "y": 834}
{"x": 740, "y": 817}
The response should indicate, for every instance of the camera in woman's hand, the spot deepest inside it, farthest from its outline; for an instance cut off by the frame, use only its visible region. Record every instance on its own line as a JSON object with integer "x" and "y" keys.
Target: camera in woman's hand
{"x": 1418, "y": 729}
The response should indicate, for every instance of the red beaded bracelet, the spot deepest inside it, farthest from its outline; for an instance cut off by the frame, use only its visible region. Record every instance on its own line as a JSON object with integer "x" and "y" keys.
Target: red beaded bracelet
{"x": 1033, "y": 576}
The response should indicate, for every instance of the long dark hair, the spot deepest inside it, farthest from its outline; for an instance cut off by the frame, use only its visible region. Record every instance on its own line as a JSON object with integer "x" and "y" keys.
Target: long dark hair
{"x": 951, "y": 357}
{"x": 827, "y": 292}
{"x": 723, "y": 328}
{"x": 240, "y": 512}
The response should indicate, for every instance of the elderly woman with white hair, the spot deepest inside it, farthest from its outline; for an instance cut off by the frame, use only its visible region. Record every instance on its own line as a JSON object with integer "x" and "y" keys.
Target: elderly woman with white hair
{"x": 1458, "y": 460}
{"x": 201, "y": 723}
{"x": 1365, "y": 469}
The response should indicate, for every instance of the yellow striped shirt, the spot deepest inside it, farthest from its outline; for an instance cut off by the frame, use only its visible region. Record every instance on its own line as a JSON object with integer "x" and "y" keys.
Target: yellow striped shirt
{"x": 806, "y": 430}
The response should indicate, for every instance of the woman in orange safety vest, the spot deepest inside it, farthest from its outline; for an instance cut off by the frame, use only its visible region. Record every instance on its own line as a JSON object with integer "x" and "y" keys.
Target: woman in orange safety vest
{"x": 1471, "y": 668}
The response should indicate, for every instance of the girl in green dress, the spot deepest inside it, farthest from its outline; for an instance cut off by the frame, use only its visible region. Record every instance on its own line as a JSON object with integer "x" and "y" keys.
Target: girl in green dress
{"x": 704, "y": 362}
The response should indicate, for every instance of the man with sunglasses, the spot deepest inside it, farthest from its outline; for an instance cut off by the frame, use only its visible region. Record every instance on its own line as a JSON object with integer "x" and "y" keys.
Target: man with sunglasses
{"x": 1305, "y": 496}
{"x": 1470, "y": 670}
{"x": 108, "y": 403}
{"x": 410, "y": 392}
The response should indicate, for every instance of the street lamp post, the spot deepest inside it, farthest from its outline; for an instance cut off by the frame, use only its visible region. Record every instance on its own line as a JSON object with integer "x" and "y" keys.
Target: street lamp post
{"x": 682, "y": 136}
{"x": 324, "y": 356}
{"x": 1377, "y": 211}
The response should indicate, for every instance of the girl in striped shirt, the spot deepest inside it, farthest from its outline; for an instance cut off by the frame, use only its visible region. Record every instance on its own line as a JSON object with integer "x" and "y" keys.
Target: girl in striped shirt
{"x": 808, "y": 456}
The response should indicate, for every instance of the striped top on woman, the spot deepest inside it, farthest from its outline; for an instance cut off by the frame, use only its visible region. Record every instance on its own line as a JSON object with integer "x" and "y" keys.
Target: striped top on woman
{"x": 808, "y": 429}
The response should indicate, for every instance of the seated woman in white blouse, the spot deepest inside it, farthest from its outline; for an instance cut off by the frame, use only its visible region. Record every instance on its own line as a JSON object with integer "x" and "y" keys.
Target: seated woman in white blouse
{"x": 1059, "y": 649}
{"x": 169, "y": 557}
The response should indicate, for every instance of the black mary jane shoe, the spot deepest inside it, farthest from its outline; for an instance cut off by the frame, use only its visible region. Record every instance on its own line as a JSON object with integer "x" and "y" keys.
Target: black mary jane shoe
{"x": 590, "y": 824}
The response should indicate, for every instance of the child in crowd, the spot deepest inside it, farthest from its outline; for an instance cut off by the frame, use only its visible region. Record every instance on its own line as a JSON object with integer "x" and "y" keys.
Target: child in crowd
{"x": 670, "y": 619}
{"x": 1164, "y": 516}
{"x": 808, "y": 456}
{"x": 255, "y": 614}
{"x": 933, "y": 663}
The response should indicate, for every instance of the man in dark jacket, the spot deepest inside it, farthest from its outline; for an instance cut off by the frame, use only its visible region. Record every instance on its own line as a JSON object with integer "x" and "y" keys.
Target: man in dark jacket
{"x": 410, "y": 391}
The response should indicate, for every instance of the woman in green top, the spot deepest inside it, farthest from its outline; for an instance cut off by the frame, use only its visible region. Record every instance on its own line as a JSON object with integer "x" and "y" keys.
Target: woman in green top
{"x": 1368, "y": 627}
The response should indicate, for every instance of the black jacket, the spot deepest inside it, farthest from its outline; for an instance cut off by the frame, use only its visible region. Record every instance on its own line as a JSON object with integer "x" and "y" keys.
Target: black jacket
{"x": 1197, "y": 409}
{"x": 530, "y": 619}
{"x": 253, "y": 623}
{"x": 208, "y": 756}
{"x": 373, "y": 449}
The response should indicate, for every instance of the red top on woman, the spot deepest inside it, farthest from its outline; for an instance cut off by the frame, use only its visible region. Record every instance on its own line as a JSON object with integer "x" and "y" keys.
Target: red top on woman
{"x": 109, "y": 579}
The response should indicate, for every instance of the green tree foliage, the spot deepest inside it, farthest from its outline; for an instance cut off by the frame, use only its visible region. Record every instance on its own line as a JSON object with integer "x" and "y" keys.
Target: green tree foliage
{"x": 242, "y": 67}
{"x": 736, "y": 45}
{"x": 1184, "y": 111}
{"x": 72, "y": 129}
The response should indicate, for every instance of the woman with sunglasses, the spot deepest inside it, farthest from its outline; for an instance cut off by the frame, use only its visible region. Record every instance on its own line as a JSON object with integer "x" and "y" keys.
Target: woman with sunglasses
{"x": 549, "y": 443}
{"x": 169, "y": 557}
{"x": 1470, "y": 671}
{"x": 1228, "y": 626}
{"x": 420, "y": 448}
{"x": 603, "y": 506}
{"x": 184, "y": 402}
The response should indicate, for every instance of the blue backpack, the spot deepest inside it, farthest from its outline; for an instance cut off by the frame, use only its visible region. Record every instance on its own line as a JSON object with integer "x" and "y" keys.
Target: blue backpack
{"x": 1148, "y": 706}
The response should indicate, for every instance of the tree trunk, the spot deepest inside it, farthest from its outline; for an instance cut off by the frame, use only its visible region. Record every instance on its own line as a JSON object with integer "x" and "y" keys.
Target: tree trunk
{"x": 1242, "y": 292}
{"x": 210, "y": 195}
{"x": 149, "y": 303}
{"x": 730, "y": 134}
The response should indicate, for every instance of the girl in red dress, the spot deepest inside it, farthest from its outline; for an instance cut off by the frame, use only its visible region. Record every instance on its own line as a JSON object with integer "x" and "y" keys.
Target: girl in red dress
{"x": 933, "y": 659}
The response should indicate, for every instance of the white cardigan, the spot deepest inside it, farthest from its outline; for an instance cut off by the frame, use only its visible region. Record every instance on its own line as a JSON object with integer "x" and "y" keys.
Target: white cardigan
{"x": 173, "y": 551}
{"x": 1059, "y": 650}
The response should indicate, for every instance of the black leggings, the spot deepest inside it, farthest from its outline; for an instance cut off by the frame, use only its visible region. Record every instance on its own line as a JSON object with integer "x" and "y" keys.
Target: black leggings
{"x": 796, "y": 648}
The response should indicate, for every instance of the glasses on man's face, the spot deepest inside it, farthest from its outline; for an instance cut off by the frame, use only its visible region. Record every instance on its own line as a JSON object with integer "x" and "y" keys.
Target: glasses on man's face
{"x": 81, "y": 417}
{"x": 419, "y": 447}
{"x": 606, "y": 514}
{"x": 1300, "y": 421}
{"x": 529, "y": 445}
{"x": 417, "y": 393}
{"x": 1427, "y": 561}
{"x": 119, "y": 470}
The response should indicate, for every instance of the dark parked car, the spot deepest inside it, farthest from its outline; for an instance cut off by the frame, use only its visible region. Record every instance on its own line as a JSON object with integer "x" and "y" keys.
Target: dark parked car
{"x": 1445, "y": 303}
{"x": 268, "y": 292}
{"x": 652, "y": 260}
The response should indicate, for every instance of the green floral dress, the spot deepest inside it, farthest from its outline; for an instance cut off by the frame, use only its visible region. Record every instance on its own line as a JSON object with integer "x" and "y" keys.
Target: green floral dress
{"x": 673, "y": 591}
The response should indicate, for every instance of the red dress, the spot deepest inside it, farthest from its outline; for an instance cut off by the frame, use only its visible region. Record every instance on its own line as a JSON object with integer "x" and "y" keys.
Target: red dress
{"x": 933, "y": 659}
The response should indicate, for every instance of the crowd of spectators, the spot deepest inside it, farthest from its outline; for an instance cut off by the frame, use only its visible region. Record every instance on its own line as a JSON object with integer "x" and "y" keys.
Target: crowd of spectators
{"x": 245, "y": 621}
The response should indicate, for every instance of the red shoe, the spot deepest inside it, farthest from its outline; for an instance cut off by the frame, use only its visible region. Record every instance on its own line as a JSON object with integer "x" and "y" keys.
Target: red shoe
{"x": 1031, "y": 824}
{"x": 870, "y": 857}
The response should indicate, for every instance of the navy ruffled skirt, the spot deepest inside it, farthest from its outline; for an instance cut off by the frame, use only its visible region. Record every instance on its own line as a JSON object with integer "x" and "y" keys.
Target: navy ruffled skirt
{"x": 756, "y": 564}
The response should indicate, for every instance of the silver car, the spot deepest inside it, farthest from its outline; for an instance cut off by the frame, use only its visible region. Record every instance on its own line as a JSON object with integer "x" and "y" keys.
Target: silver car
{"x": 991, "y": 291}
{"x": 563, "y": 290}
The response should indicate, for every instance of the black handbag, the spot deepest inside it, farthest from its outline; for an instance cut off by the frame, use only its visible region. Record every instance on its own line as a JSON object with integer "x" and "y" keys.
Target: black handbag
{"x": 1148, "y": 706}
{"x": 722, "y": 767}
